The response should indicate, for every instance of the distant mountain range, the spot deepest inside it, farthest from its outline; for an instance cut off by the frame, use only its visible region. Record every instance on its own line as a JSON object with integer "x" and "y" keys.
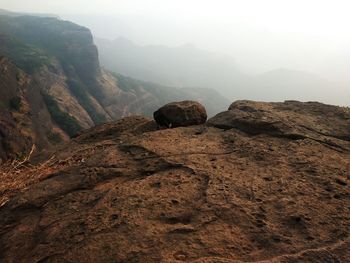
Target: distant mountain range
{"x": 189, "y": 66}
{"x": 180, "y": 66}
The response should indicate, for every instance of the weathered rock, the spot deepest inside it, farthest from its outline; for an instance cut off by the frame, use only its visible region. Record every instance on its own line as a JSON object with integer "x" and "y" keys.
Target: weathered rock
{"x": 128, "y": 192}
{"x": 292, "y": 119}
{"x": 181, "y": 114}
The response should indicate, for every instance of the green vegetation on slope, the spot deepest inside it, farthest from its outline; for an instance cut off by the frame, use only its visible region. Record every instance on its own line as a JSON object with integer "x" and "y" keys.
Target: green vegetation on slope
{"x": 54, "y": 137}
{"x": 15, "y": 103}
{"x": 79, "y": 91}
{"x": 67, "y": 123}
{"x": 27, "y": 57}
{"x": 162, "y": 92}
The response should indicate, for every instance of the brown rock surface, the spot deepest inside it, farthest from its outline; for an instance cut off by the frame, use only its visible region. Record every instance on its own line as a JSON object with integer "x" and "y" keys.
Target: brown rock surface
{"x": 126, "y": 192}
{"x": 292, "y": 119}
{"x": 181, "y": 114}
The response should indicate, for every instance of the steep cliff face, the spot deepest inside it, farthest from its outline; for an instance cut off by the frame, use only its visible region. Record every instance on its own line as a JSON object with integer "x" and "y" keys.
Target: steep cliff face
{"x": 58, "y": 54}
{"x": 25, "y": 119}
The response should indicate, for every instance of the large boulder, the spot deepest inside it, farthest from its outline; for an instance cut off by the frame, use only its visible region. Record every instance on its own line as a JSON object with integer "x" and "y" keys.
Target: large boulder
{"x": 180, "y": 114}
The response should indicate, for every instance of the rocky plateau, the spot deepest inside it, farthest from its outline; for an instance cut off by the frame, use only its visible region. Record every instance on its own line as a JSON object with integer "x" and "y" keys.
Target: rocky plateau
{"x": 261, "y": 182}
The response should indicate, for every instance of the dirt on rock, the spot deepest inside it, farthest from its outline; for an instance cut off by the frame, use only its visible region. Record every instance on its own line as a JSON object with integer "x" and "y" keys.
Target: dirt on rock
{"x": 128, "y": 192}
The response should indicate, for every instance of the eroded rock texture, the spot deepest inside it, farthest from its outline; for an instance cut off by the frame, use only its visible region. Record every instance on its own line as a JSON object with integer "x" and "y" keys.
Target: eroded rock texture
{"x": 127, "y": 192}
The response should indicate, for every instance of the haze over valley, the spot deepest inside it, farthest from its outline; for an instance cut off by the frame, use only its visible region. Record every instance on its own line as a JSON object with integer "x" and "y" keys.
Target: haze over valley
{"x": 261, "y": 50}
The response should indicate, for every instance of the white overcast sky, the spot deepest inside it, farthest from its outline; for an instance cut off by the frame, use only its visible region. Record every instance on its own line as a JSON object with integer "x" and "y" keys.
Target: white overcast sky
{"x": 324, "y": 17}
{"x": 265, "y": 33}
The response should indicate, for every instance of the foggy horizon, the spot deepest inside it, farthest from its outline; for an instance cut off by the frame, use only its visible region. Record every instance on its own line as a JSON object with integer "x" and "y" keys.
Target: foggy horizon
{"x": 260, "y": 36}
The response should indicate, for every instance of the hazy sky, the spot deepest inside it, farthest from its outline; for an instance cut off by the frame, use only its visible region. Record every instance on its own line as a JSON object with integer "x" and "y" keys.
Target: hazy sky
{"x": 259, "y": 34}
{"x": 321, "y": 17}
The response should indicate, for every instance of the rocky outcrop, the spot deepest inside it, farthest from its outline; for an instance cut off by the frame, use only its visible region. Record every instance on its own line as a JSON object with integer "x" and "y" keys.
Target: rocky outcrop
{"x": 292, "y": 119}
{"x": 128, "y": 192}
{"x": 180, "y": 114}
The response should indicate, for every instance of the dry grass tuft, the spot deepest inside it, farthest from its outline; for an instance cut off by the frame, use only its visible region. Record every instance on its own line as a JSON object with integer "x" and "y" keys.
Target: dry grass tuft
{"x": 16, "y": 175}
